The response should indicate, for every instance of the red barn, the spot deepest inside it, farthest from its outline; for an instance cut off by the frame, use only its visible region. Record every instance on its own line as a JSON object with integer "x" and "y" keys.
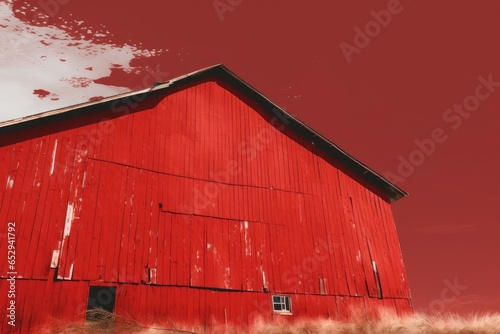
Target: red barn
{"x": 196, "y": 200}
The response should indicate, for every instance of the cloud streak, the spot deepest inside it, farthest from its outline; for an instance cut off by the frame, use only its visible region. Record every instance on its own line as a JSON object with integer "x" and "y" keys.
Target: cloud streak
{"x": 445, "y": 229}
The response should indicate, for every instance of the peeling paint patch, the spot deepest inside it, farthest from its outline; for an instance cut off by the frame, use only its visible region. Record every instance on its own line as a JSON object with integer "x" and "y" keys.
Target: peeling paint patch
{"x": 322, "y": 285}
{"x": 55, "y": 259}
{"x": 80, "y": 154}
{"x": 227, "y": 281}
{"x": 10, "y": 183}
{"x": 263, "y": 276}
{"x": 70, "y": 215}
{"x": 152, "y": 275}
{"x": 248, "y": 247}
{"x": 70, "y": 276}
{"x": 53, "y": 158}
{"x": 377, "y": 280}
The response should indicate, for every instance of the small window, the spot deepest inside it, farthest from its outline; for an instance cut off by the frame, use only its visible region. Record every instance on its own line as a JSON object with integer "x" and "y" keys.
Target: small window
{"x": 101, "y": 297}
{"x": 282, "y": 304}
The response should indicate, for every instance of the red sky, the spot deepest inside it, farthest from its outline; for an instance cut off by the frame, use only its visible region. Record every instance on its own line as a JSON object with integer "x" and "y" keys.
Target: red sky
{"x": 375, "y": 103}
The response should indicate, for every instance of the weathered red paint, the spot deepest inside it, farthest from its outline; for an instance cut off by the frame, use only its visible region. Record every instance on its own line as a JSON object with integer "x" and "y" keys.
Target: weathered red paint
{"x": 198, "y": 205}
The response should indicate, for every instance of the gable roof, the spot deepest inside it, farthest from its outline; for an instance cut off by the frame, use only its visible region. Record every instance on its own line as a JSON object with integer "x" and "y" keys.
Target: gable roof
{"x": 394, "y": 193}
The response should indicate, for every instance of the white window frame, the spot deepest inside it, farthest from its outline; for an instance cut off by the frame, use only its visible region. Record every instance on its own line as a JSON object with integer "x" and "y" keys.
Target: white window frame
{"x": 282, "y": 304}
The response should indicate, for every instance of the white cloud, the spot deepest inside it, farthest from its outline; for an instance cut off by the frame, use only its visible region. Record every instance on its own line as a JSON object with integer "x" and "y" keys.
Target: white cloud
{"x": 48, "y": 58}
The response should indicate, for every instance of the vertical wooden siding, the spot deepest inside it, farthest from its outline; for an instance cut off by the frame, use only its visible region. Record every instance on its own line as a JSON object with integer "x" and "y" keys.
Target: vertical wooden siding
{"x": 202, "y": 188}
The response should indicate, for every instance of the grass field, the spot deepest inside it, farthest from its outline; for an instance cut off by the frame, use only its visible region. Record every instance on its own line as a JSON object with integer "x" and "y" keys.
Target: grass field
{"x": 109, "y": 323}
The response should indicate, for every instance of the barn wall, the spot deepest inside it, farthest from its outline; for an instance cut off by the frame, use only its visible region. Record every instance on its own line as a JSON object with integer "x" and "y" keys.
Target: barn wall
{"x": 197, "y": 188}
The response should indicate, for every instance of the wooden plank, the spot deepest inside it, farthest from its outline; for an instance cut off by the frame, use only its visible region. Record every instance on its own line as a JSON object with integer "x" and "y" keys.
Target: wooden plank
{"x": 277, "y": 279}
{"x": 168, "y": 258}
{"x": 151, "y": 214}
{"x": 331, "y": 233}
{"x": 159, "y": 138}
{"x": 160, "y": 242}
{"x": 16, "y": 207}
{"x": 83, "y": 247}
{"x": 149, "y": 138}
{"x": 75, "y": 200}
{"x": 311, "y": 265}
{"x": 110, "y": 236}
{"x": 345, "y": 280}
{"x": 134, "y": 239}
{"x": 175, "y": 251}
{"x": 364, "y": 218}
{"x": 35, "y": 207}
{"x": 23, "y": 304}
{"x": 35, "y": 298}
{"x": 185, "y": 246}
{"x": 320, "y": 254}
{"x": 6, "y": 158}
{"x": 349, "y": 238}
{"x": 144, "y": 218}
{"x": 124, "y": 239}
{"x": 134, "y": 293}
{"x": 101, "y": 226}
{"x": 63, "y": 171}
{"x": 135, "y": 266}
{"x": 235, "y": 255}
{"x": 91, "y": 266}
{"x": 8, "y": 162}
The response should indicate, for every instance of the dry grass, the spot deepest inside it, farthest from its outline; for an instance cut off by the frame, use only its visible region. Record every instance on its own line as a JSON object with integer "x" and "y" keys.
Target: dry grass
{"x": 109, "y": 323}
{"x": 416, "y": 324}
{"x": 105, "y": 322}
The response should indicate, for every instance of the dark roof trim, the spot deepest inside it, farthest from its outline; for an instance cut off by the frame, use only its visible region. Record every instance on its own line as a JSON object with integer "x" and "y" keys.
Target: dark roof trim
{"x": 223, "y": 72}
